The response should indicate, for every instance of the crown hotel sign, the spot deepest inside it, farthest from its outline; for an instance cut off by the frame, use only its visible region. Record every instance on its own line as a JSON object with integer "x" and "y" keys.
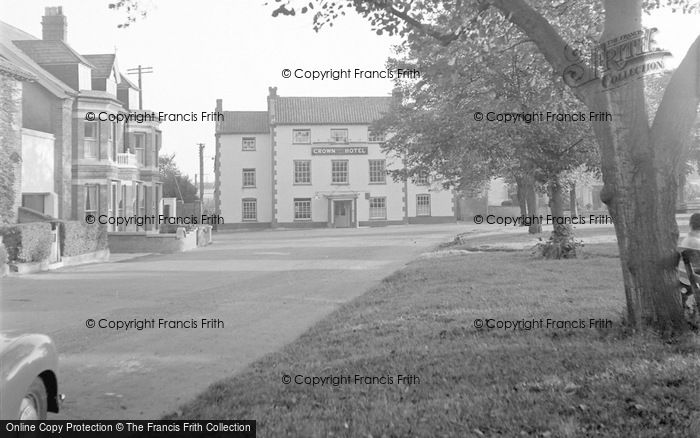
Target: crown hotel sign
{"x": 343, "y": 150}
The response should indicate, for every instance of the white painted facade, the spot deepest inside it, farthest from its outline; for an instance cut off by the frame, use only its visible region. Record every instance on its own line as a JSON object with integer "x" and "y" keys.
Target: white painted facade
{"x": 284, "y": 197}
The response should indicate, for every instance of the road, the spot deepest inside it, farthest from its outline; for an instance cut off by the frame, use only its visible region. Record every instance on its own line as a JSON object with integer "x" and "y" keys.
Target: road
{"x": 260, "y": 290}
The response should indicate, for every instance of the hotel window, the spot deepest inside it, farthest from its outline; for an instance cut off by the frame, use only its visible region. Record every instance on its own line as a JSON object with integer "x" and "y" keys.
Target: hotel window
{"x": 302, "y": 136}
{"x": 250, "y": 210}
{"x": 302, "y": 209}
{"x": 339, "y": 135}
{"x": 90, "y": 140}
{"x": 92, "y": 201}
{"x": 422, "y": 179}
{"x": 302, "y": 171}
{"x": 377, "y": 171}
{"x": 139, "y": 146}
{"x": 422, "y": 205}
{"x": 248, "y": 143}
{"x": 248, "y": 177}
{"x": 377, "y": 208}
{"x": 339, "y": 171}
{"x": 375, "y": 136}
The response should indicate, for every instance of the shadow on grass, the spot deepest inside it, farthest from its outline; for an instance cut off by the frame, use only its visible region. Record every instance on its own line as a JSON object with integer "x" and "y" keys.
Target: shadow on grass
{"x": 582, "y": 376}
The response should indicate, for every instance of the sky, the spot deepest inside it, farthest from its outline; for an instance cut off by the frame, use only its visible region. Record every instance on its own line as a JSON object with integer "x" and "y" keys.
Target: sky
{"x": 234, "y": 50}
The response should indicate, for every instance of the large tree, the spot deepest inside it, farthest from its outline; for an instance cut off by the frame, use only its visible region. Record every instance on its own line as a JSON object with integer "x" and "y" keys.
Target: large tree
{"x": 640, "y": 160}
{"x": 435, "y": 126}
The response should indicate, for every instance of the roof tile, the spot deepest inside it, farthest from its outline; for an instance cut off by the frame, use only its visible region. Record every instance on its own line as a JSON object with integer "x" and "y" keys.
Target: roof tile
{"x": 330, "y": 110}
{"x": 244, "y": 122}
{"x": 51, "y": 52}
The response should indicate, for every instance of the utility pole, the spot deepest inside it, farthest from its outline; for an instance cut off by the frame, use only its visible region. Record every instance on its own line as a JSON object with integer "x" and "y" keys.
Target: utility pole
{"x": 201, "y": 179}
{"x": 140, "y": 71}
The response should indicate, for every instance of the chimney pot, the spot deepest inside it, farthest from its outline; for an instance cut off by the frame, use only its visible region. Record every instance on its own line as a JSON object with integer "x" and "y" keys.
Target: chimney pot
{"x": 54, "y": 25}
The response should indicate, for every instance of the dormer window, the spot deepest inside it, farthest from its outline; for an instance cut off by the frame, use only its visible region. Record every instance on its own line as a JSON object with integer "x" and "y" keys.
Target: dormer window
{"x": 301, "y": 136}
{"x": 339, "y": 135}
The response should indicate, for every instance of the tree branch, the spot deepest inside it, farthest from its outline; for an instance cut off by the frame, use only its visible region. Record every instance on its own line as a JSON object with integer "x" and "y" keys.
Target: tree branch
{"x": 677, "y": 111}
{"x": 541, "y": 32}
{"x": 444, "y": 39}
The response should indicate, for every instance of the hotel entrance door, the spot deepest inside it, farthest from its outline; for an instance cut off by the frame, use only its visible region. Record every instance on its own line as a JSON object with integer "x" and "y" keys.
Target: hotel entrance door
{"x": 341, "y": 215}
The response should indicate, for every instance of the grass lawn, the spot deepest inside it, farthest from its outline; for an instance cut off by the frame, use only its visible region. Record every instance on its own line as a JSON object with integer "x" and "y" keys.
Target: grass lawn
{"x": 542, "y": 382}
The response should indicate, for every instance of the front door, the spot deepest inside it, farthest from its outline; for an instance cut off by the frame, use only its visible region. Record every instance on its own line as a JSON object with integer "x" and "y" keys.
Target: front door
{"x": 341, "y": 214}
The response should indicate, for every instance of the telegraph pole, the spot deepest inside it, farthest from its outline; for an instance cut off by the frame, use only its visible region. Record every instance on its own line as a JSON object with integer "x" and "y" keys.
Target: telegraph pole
{"x": 140, "y": 71}
{"x": 201, "y": 179}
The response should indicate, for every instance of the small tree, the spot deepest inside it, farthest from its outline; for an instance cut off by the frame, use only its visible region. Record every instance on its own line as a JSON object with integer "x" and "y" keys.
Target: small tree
{"x": 175, "y": 185}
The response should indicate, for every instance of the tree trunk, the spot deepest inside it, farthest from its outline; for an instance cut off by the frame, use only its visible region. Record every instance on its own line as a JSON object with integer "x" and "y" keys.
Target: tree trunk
{"x": 531, "y": 201}
{"x": 522, "y": 199}
{"x": 556, "y": 206}
{"x": 640, "y": 163}
{"x": 573, "y": 205}
{"x": 563, "y": 233}
{"x": 640, "y": 167}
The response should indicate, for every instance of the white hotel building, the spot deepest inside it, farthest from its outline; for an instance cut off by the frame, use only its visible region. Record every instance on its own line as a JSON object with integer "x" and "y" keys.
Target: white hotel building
{"x": 312, "y": 162}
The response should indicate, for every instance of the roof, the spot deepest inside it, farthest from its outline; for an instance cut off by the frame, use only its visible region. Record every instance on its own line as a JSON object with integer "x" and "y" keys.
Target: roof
{"x": 104, "y": 64}
{"x": 14, "y": 55}
{"x": 7, "y": 68}
{"x": 51, "y": 52}
{"x": 330, "y": 110}
{"x": 124, "y": 82}
{"x": 244, "y": 122}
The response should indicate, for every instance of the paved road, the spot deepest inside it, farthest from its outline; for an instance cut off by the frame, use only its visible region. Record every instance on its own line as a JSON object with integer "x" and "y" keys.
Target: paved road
{"x": 265, "y": 287}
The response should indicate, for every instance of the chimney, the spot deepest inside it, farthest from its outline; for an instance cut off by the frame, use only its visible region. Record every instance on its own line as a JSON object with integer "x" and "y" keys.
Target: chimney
{"x": 271, "y": 101}
{"x": 54, "y": 25}
{"x": 219, "y": 119}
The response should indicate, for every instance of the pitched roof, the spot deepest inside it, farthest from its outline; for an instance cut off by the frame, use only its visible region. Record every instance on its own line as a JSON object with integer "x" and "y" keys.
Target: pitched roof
{"x": 244, "y": 122}
{"x": 12, "y": 53}
{"x": 330, "y": 110}
{"x": 7, "y": 68}
{"x": 104, "y": 64}
{"x": 124, "y": 82}
{"x": 51, "y": 52}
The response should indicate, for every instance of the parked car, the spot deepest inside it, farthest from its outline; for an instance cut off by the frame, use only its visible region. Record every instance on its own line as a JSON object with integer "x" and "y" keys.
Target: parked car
{"x": 28, "y": 384}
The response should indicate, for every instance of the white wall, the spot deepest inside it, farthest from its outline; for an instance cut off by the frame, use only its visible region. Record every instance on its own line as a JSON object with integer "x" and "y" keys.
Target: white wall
{"x": 498, "y": 192}
{"x": 84, "y": 77}
{"x": 233, "y": 161}
{"x": 37, "y": 161}
{"x": 359, "y": 183}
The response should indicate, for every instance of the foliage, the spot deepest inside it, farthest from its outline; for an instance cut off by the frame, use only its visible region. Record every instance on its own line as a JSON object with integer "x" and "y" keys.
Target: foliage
{"x": 134, "y": 11}
{"x": 9, "y": 158}
{"x": 175, "y": 185}
{"x": 28, "y": 242}
{"x": 79, "y": 237}
{"x": 560, "y": 245}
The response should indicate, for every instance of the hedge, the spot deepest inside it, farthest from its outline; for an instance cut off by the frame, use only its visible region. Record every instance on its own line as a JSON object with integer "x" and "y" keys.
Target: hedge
{"x": 28, "y": 242}
{"x": 78, "y": 237}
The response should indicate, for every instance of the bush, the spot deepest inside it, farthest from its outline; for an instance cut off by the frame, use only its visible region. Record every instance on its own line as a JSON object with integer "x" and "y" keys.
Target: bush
{"x": 29, "y": 242}
{"x": 78, "y": 237}
{"x": 507, "y": 203}
{"x": 561, "y": 244}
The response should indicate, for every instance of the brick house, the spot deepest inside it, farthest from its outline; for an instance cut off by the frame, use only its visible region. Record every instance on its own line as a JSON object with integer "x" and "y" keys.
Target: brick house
{"x": 103, "y": 166}
{"x": 12, "y": 78}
